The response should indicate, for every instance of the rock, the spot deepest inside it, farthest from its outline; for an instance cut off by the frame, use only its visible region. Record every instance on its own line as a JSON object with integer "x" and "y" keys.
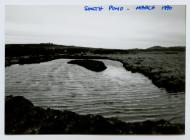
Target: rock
{"x": 22, "y": 117}
{"x": 93, "y": 65}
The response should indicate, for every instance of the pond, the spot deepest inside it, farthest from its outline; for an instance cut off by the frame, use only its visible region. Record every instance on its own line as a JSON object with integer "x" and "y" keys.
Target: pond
{"x": 114, "y": 92}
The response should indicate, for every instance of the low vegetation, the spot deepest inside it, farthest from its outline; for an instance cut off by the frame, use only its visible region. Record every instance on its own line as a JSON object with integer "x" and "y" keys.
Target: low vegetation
{"x": 22, "y": 117}
{"x": 165, "y": 70}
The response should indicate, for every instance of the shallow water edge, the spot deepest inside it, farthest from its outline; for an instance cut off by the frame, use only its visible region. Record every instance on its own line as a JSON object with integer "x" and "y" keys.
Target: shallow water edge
{"x": 25, "y": 120}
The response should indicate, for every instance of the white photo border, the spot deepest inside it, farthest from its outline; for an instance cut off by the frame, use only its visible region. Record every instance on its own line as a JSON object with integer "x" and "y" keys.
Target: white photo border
{"x": 92, "y": 137}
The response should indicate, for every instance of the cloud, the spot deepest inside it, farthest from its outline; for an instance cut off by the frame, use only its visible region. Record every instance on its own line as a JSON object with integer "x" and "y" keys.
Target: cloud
{"x": 71, "y": 25}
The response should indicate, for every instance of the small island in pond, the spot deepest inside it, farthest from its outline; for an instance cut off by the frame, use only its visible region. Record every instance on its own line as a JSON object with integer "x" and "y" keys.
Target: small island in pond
{"x": 93, "y": 65}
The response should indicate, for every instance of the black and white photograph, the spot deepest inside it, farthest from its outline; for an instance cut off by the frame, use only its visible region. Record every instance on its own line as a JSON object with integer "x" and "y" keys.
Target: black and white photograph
{"x": 95, "y": 69}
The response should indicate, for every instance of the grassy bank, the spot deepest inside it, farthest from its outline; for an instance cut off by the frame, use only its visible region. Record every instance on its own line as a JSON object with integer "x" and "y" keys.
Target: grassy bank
{"x": 22, "y": 117}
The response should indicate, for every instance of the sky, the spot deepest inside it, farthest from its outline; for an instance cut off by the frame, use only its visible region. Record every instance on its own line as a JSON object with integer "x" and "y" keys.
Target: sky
{"x": 72, "y": 25}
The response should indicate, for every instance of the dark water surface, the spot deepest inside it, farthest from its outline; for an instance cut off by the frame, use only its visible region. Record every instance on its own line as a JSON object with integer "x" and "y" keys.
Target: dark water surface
{"x": 114, "y": 92}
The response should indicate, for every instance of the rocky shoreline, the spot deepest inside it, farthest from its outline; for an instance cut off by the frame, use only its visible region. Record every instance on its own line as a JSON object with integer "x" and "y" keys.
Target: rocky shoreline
{"x": 22, "y": 117}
